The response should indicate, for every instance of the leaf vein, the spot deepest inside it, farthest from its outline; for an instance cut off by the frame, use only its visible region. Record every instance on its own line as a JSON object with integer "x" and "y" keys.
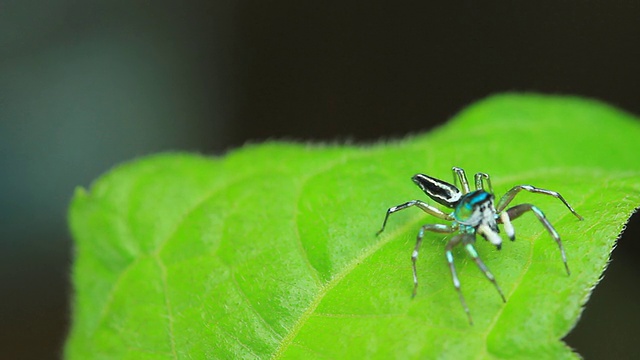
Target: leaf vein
{"x": 163, "y": 277}
{"x": 250, "y": 304}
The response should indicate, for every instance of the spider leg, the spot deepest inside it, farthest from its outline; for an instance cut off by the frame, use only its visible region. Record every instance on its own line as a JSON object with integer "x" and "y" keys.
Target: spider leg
{"x": 506, "y": 198}
{"x": 468, "y": 241}
{"x": 508, "y": 227}
{"x": 491, "y": 235}
{"x": 518, "y": 210}
{"x": 439, "y": 228}
{"x": 431, "y": 210}
{"x": 456, "y": 283}
{"x": 478, "y": 179}
{"x": 458, "y": 174}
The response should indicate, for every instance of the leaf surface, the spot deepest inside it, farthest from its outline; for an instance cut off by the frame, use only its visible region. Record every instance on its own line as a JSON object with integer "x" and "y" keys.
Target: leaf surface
{"x": 270, "y": 251}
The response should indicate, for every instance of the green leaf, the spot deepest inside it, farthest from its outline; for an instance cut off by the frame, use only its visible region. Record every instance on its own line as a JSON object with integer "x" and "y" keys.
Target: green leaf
{"x": 270, "y": 251}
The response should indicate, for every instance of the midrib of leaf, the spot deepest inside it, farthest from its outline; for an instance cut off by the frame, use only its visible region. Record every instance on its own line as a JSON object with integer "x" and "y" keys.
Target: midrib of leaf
{"x": 309, "y": 311}
{"x": 391, "y": 235}
{"x": 293, "y": 332}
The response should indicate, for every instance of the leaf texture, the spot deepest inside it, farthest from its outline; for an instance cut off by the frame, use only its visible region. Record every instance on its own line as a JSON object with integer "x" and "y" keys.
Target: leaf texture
{"x": 271, "y": 252}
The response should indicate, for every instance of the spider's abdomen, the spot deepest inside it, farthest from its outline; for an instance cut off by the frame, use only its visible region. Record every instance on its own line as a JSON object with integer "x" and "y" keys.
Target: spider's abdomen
{"x": 476, "y": 208}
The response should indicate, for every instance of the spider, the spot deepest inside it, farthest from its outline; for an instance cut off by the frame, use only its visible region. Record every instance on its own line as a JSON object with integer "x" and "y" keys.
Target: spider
{"x": 473, "y": 213}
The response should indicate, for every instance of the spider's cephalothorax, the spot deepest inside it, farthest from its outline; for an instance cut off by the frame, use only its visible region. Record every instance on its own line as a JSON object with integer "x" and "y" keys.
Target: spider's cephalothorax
{"x": 474, "y": 212}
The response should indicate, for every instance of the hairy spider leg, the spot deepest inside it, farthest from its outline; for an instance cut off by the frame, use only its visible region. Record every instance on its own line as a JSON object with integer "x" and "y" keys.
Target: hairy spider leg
{"x": 478, "y": 179}
{"x": 431, "y": 210}
{"x": 456, "y": 283}
{"x": 458, "y": 174}
{"x": 506, "y": 198}
{"x": 438, "y": 228}
{"x": 518, "y": 210}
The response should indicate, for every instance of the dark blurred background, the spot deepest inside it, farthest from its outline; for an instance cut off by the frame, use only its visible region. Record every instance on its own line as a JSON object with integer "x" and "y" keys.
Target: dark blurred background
{"x": 85, "y": 85}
